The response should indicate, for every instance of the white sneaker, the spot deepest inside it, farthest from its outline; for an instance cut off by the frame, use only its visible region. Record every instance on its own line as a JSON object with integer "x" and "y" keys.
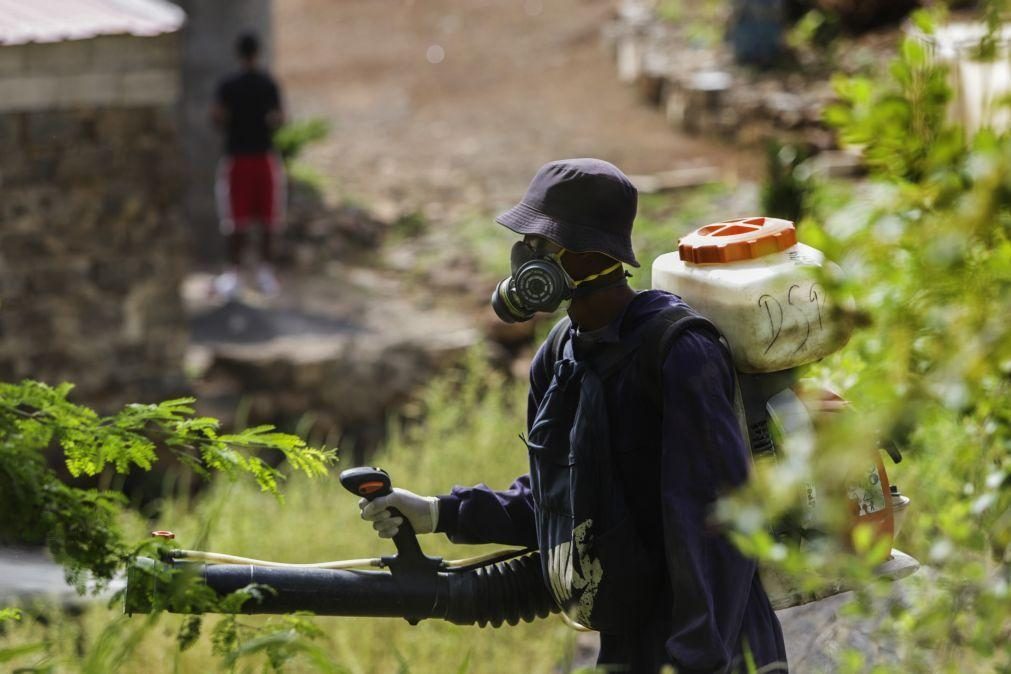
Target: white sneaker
{"x": 268, "y": 282}
{"x": 226, "y": 285}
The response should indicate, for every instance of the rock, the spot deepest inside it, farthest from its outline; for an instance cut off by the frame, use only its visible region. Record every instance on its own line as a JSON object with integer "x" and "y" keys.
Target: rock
{"x": 705, "y": 95}
{"x": 702, "y": 91}
{"x": 787, "y": 109}
{"x": 674, "y": 104}
{"x": 29, "y": 576}
{"x": 656, "y": 69}
{"x": 342, "y": 357}
{"x": 318, "y": 233}
{"x": 816, "y": 634}
{"x": 755, "y": 132}
{"x": 629, "y": 58}
{"x": 635, "y": 12}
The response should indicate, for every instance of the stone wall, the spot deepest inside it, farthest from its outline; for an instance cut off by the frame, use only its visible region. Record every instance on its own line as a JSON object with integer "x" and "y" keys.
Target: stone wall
{"x": 119, "y": 70}
{"x": 91, "y": 254}
{"x": 702, "y": 91}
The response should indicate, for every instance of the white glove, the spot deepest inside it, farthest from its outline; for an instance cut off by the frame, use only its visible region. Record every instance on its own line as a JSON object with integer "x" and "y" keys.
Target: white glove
{"x": 421, "y": 511}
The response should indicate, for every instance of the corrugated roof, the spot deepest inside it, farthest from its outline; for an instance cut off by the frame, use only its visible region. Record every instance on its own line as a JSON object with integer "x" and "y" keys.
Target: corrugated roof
{"x": 23, "y": 21}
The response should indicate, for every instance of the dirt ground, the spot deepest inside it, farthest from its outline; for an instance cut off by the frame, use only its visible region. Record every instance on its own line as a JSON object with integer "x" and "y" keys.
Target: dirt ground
{"x": 450, "y": 106}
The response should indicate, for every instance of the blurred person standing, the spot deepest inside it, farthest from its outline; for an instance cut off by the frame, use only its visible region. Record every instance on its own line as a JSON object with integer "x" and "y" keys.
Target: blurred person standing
{"x": 250, "y": 187}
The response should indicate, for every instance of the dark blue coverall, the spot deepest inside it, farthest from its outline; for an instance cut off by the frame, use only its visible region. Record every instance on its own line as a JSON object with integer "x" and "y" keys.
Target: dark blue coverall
{"x": 711, "y": 606}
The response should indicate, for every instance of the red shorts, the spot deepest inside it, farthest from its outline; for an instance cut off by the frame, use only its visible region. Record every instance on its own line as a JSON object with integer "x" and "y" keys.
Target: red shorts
{"x": 250, "y": 188}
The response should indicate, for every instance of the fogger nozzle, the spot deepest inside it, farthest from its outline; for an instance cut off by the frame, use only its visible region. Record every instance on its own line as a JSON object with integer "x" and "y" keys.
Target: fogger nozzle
{"x": 503, "y": 592}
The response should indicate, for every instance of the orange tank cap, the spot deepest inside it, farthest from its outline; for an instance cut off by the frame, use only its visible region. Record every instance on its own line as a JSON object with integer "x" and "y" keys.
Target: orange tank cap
{"x": 736, "y": 240}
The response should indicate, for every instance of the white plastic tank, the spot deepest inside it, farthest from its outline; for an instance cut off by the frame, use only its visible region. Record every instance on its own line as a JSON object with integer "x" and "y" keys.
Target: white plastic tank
{"x": 760, "y": 287}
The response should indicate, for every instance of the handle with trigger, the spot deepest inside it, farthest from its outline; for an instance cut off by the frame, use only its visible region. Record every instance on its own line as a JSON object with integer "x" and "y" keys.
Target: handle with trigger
{"x": 371, "y": 483}
{"x": 368, "y": 482}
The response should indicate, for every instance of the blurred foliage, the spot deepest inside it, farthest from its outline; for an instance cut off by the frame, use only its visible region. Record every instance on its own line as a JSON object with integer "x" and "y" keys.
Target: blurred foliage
{"x": 926, "y": 245}
{"x": 292, "y": 139}
{"x": 410, "y": 225}
{"x": 83, "y": 528}
{"x": 786, "y": 187}
{"x": 702, "y": 24}
{"x": 900, "y": 122}
{"x": 80, "y": 526}
{"x": 994, "y": 14}
{"x": 814, "y": 40}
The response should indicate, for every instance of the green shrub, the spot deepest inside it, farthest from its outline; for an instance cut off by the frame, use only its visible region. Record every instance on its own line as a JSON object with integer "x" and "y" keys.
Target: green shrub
{"x": 84, "y": 528}
{"x": 926, "y": 245}
{"x": 292, "y": 138}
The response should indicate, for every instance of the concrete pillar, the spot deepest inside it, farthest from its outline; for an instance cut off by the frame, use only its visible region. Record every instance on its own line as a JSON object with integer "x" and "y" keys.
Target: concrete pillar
{"x": 208, "y": 54}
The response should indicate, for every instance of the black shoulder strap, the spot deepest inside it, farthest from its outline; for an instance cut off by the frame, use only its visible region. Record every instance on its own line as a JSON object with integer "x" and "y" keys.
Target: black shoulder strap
{"x": 657, "y": 340}
{"x": 652, "y": 347}
{"x": 653, "y": 344}
{"x": 656, "y": 343}
{"x": 556, "y": 340}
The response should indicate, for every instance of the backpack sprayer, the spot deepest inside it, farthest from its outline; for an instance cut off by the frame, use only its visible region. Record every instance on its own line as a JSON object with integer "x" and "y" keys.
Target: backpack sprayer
{"x": 763, "y": 291}
{"x": 754, "y": 281}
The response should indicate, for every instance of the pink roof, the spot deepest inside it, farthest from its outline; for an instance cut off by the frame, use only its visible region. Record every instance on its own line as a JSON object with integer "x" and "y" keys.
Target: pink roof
{"x": 24, "y": 21}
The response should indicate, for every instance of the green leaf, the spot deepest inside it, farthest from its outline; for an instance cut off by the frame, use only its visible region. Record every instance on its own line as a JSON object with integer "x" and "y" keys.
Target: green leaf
{"x": 80, "y": 526}
{"x": 9, "y": 614}
{"x": 913, "y": 52}
{"x": 923, "y": 20}
{"x": 189, "y": 632}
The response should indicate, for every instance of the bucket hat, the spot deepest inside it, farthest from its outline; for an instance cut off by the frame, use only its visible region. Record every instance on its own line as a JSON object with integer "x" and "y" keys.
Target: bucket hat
{"x": 585, "y": 205}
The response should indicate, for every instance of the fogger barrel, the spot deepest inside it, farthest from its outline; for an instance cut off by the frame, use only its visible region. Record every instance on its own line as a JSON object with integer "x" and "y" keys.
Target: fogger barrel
{"x": 503, "y": 592}
{"x": 415, "y": 586}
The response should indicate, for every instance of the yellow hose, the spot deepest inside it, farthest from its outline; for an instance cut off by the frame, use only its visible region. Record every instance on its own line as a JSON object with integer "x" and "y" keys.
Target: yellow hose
{"x": 218, "y": 558}
{"x": 569, "y": 622}
{"x": 484, "y": 559}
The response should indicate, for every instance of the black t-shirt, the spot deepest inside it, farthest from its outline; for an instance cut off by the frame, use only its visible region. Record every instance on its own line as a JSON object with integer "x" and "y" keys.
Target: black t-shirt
{"x": 248, "y": 96}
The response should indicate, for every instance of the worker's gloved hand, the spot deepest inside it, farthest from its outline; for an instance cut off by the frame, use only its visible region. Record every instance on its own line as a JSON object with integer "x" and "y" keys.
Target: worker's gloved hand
{"x": 421, "y": 511}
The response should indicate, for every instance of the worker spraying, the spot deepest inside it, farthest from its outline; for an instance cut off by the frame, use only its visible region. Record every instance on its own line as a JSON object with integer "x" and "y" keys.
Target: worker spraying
{"x": 633, "y": 434}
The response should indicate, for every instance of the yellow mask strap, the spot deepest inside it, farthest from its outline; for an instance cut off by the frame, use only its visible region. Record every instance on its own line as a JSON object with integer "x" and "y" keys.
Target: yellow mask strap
{"x": 591, "y": 277}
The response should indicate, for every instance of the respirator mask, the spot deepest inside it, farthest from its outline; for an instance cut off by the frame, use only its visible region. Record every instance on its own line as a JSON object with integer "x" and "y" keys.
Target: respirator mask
{"x": 538, "y": 281}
